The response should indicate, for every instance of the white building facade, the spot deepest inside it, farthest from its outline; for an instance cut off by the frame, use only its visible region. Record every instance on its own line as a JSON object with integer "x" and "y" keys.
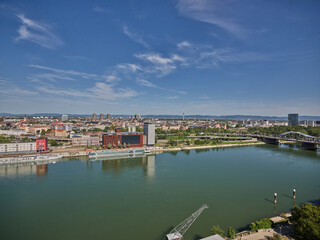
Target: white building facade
{"x": 17, "y": 147}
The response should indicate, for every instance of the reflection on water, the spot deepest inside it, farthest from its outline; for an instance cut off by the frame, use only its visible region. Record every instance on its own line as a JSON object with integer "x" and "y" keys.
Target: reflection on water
{"x": 149, "y": 166}
{"x": 42, "y": 169}
{"x": 288, "y": 147}
{"x": 202, "y": 150}
{"x": 147, "y": 163}
{"x": 23, "y": 170}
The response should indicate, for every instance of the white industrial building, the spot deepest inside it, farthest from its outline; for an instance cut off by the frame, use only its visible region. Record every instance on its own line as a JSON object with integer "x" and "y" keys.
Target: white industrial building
{"x": 17, "y": 147}
{"x": 86, "y": 140}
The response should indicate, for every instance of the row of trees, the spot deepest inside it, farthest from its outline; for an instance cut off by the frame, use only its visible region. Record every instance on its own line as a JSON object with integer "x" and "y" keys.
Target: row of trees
{"x": 4, "y": 139}
{"x": 124, "y": 145}
{"x": 191, "y": 131}
{"x": 175, "y": 141}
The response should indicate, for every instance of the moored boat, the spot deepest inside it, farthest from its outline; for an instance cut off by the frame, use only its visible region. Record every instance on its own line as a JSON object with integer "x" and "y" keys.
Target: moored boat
{"x": 29, "y": 159}
{"x": 110, "y": 153}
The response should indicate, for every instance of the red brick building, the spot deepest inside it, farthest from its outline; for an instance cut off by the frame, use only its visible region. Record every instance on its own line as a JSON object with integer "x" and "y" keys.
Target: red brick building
{"x": 135, "y": 139}
{"x": 42, "y": 144}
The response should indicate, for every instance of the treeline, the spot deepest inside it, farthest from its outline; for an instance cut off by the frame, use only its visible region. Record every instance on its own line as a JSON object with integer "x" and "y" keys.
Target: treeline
{"x": 163, "y": 134}
{"x": 276, "y": 130}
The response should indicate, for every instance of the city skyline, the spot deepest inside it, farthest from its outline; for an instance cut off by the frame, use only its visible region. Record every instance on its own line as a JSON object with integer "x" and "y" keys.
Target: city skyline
{"x": 160, "y": 57}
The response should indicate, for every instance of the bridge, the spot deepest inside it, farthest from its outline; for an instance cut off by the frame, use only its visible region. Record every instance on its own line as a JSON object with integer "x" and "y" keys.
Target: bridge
{"x": 307, "y": 141}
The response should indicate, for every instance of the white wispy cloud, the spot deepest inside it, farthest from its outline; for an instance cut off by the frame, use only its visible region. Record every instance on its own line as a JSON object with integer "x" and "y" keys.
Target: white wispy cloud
{"x": 111, "y": 78}
{"x": 104, "y": 86}
{"x": 146, "y": 83}
{"x": 129, "y": 67}
{"x": 184, "y": 44}
{"x": 134, "y": 36}
{"x": 149, "y": 84}
{"x": 17, "y": 91}
{"x": 158, "y": 64}
{"x": 101, "y": 90}
{"x": 206, "y": 56}
{"x": 66, "y": 72}
{"x": 211, "y": 11}
{"x": 37, "y": 32}
{"x": 49, "y": 77}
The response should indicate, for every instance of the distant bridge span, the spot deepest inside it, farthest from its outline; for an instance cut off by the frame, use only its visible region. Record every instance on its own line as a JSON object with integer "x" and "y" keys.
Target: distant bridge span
{"x": 307, "y": 141}
{"x": 298, "y": 133}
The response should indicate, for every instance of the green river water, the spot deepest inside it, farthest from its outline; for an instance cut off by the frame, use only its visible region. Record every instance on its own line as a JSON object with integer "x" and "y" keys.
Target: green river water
{"x": 144, "y": 198}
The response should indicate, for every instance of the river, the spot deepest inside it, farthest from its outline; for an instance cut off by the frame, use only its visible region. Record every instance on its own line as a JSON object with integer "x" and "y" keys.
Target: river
{"x": 145, "y": 197}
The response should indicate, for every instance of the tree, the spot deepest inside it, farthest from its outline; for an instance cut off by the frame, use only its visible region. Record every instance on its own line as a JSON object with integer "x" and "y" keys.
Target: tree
{"x": 106, "y": 129}
{"x": 128, "y": 145}
{"x": 124, "y": 145}
{"x": 139, "y": 129}
{"x": 25, "y": 139}
{"x": 109, "y": 146}
{"x": 4, "y": 139}
{"x": 216, "y": 229}
{"x": 306, "y": 221}
{"x": 43, "y": 132}
{"x": 264, "y": 223}
{"x": 53, "y": 142}
{"x": 231, "y": 232}
{"x": 120, "y": 145}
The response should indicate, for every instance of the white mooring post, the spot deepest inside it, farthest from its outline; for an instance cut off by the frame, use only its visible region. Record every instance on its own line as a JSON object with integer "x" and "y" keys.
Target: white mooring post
{"x": 275, "y": 198}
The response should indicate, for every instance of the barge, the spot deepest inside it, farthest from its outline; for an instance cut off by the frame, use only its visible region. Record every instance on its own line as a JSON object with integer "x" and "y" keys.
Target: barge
{"x": 108, "y": 153}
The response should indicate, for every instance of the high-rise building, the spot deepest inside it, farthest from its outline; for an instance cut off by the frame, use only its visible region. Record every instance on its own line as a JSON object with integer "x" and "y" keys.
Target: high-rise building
{"x": 137, "y": 117}
{"x": 64, "y": 118}
{"x": 94, "y": 116}
{"x": 293, "y": 119}
{"x": 108, "y": 116}
{"x": 149, "y": 131}
{"x": 311, "y": 123}
{"x": 101, "y": 116}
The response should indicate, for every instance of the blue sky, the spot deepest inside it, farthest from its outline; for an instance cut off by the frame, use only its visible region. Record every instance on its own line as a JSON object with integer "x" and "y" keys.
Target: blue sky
{"x": 160, "y": 57}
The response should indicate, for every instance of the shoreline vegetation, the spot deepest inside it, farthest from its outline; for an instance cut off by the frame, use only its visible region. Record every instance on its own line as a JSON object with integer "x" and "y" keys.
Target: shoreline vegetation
{"x": 221, "y": 145}
{"x": 301, "y": 223}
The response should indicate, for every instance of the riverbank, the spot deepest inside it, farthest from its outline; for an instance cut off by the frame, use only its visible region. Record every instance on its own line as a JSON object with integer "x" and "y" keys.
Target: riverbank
{"x": 238, "y": 144}
{"x": 65, "y": 152}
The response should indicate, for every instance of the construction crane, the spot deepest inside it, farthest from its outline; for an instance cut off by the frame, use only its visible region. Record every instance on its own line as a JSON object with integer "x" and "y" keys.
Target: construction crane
{"x": 178, "y": 232}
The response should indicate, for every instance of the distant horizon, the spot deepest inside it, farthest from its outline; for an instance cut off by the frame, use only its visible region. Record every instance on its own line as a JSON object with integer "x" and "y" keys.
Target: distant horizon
{"x": 231, "y": 116}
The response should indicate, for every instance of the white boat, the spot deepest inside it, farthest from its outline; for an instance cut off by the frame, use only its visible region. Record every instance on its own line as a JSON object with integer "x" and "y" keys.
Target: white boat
{"x": 146, "y": 151}
{"x": 110, "y": 153}
{"x": 29, "y": 159}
